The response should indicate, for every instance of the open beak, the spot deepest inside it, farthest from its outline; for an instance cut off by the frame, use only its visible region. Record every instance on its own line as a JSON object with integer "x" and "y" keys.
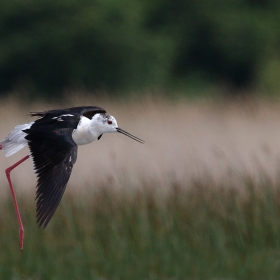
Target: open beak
{"x": 129, "y": 135}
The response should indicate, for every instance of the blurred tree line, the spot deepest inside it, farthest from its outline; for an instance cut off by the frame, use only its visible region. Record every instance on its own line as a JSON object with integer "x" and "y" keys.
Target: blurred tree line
{"x": 53, "y": 45}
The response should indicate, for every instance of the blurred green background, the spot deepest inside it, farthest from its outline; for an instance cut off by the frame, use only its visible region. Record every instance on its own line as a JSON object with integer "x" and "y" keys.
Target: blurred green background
{"x": 119, "y": 46}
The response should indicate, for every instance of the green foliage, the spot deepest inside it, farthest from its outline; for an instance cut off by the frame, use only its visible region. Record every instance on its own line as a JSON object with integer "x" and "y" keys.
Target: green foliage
{"x": 225, "y": 40}
{"x": 124, "y": 45}
{"x": 197, "y": 232}
{"x": 58, "y": 44}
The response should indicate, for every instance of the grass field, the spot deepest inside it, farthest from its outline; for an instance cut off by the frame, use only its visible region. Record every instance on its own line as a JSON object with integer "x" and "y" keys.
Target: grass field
{"x": 199, "y": 200}
{"x": 199, "y": 233}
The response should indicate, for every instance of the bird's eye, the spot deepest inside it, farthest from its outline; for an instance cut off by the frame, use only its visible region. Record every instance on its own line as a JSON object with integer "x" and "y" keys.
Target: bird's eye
{"x": 109, "y": 122}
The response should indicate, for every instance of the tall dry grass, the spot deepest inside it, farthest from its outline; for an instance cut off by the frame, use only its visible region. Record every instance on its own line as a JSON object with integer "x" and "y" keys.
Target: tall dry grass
{"x": 185, "y": 141}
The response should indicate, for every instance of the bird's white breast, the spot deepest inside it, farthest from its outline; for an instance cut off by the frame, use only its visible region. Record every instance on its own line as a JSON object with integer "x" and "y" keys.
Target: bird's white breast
{"x": 81, "y": 135}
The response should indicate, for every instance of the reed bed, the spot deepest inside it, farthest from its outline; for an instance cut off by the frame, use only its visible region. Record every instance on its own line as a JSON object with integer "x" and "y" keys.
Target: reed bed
{"x": 185, "y": 141}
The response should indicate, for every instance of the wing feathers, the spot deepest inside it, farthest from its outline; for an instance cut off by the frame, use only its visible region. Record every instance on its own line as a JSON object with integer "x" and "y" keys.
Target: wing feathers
{"x": 54, "y": 154}
{"x": 48, "y": 203}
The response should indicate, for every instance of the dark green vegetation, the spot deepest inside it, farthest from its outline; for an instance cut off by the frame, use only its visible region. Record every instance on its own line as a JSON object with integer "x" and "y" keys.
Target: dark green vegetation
{"x": 205, "y": 232}
{"x": 120, "y": 45}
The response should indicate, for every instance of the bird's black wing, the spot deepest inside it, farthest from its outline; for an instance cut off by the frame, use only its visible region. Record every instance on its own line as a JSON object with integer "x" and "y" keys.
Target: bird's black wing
{"x": 54, "y": 153}
{"x": 49, "y": 116}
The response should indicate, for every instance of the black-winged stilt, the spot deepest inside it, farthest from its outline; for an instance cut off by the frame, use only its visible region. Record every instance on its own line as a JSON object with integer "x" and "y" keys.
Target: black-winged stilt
{"x": 52, "y": 141}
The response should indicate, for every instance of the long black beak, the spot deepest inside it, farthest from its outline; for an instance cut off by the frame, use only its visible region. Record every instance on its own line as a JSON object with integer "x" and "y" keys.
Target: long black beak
{"x": 129, "y": 135}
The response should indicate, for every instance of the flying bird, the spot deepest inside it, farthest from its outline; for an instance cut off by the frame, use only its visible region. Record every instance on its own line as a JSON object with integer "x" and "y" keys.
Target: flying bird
{"x": 52, "y": 140}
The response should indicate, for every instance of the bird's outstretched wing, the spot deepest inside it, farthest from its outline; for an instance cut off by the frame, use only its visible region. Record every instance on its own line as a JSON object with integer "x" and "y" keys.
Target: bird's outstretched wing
{"x": 54, "y": 153}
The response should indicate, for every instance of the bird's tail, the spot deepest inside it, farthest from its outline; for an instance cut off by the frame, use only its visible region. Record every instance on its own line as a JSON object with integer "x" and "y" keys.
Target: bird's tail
{"x": 15, "y": 141}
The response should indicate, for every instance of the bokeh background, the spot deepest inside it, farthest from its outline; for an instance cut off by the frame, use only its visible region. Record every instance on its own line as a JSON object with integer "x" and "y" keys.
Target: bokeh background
{"x": 199, "y": 82}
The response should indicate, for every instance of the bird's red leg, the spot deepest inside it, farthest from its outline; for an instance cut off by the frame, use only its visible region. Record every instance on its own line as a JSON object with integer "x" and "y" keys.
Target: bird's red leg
{"x": 21, "y": 229}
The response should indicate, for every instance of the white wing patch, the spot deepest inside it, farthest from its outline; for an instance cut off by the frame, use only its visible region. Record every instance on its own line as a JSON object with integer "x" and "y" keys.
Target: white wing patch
{"x": 59, "y": 118}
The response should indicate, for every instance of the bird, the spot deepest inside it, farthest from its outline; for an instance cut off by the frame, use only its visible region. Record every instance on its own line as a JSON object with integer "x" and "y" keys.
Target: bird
{"x": 53, "y": 140}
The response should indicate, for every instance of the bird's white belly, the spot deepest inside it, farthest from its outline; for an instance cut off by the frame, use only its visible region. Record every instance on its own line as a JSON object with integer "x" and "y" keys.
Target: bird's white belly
{"x": 81, "y": 135}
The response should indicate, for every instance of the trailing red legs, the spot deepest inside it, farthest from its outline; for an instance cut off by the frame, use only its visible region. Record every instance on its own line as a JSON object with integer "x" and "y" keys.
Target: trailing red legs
{"x": 8, "y": 171}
